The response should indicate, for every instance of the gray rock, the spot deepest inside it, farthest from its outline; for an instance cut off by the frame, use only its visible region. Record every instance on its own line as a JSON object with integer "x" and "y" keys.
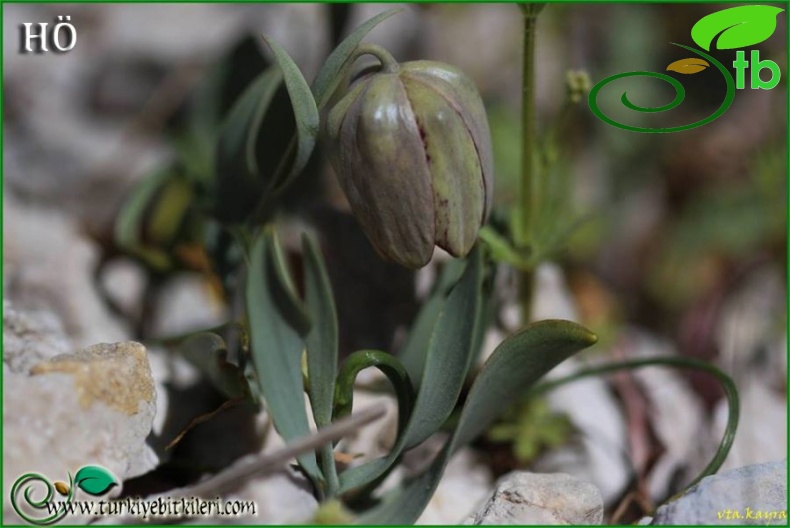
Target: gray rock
{"x": 747, "y": 331}
{"x": 31, "y": 337}
{"x": 465, "y": 484}
{"x": 284, "y": 497}
{"x": 677, "y": 417}
{"x": 185, "y": 304}
{"x": 594, "y": 454}
{"x": 530, "y": 498}
{"x": 753, "y": 350}
{"x": 93, "y": 407}
{"x": 48, "y": 265}
{"x": 553, "y": 298}
{"x": 762, "y": 427}
{"x": 749, "y": 495}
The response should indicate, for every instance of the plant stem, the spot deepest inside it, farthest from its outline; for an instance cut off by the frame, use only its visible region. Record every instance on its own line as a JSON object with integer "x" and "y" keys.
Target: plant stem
{"x": 266, "y": 464}
{"x": 528, "y": 191}
{"x": 388, "y": 63}
{"x": 528, "y": 188}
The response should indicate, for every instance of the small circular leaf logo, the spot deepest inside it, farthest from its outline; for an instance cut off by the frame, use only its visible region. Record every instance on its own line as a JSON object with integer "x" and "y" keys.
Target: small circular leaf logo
{"x": 27, "y": 482}
{"x": 680, "y": 94}
{"x": 27, "y": 497}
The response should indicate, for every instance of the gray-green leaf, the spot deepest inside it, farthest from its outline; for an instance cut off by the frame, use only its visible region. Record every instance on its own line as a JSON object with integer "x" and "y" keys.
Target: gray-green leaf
{"x": 276, "y": 347}
{"x": 331, "y": 73}
{"x": 130, "y": 223}
{"x": 239, "y": 184}
{"x": 414, "y": 351}
{"x": 387, "y": 364}
{"x": 323, "y": 336}
{"x": 322, "y": 345}
{"x": 739, "y": 27}
{"x": 516, "y": 364}
{"x": 209, "y": 353}
{"x": 305, "y": 111}
{"x": 446, "y": 366}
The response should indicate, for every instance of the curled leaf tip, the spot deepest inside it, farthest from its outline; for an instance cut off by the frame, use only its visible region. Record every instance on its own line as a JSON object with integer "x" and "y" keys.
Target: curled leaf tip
{"x": 571, "y": 331}
{"x": 688, "y": 66}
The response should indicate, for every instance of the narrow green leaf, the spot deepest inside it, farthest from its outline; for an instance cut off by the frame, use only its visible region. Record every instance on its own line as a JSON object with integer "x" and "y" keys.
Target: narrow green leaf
{"x": 376, "y": 471}
{"x": 389, "y": 366}
{"x": 307, "y": 104}
{"x": 331, "y": 73}
{"x": 323, "y": 336}
{"x": 449, "y": 353}
{"x": 414, "y": 351}
{"x": 241, "y": 129}
{"x": 446, "y": 367}
{"x": 270, "y": 81}
{"x": 276, "y": 348}
{"x": 415, "y": 348}
{"x": 165, "y": 217}
{"x": 287, "y": 298}
{"x": 222, "y": 84}
{"x": 208, "y": 352}
{"x": 737, "y": 27}
{"x": 726, "y": 382}
{"x": 305, "y": 111}
{"x": 132, "y": 217}
{"x": 502, "y": 250}
{"x": 94, "y": 480}
{"x": 405, "y": 504}
{"x": 516, "y": 364}
{"x": 239, "y": 182}
{"x": 321, "y": 341}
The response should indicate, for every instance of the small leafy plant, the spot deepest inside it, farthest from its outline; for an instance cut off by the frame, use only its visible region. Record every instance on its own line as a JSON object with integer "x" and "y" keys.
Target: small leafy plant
{"x": 531, "y": 426}
{"x": 411, "y": 185}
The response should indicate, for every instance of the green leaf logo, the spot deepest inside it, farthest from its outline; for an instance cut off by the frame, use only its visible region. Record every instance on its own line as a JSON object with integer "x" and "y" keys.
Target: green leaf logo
{"x": 95, "y": 480}
{"x": 737, "y": 27}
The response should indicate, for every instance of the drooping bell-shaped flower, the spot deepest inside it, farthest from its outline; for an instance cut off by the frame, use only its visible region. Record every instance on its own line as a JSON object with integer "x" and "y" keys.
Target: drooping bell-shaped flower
{"x": 412, "y": 150}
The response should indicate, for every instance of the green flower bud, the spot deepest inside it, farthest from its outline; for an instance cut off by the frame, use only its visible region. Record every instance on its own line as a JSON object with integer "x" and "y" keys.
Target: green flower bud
{"x": 412, "y": 151}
